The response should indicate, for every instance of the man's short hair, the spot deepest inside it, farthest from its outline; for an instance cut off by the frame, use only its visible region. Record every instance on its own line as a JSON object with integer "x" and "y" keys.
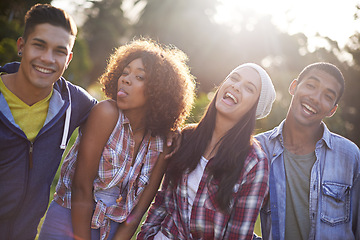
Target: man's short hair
{"x": 45, "y": 13}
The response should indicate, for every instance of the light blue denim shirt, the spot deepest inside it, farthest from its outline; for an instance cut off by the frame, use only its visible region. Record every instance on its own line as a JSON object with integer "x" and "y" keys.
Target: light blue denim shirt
{"x": 334, "y": 205}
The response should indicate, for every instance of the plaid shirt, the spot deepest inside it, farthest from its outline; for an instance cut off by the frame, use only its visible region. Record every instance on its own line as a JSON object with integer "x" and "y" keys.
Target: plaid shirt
{"x": 169, "y": 212}
{"x": 114, "y": 167}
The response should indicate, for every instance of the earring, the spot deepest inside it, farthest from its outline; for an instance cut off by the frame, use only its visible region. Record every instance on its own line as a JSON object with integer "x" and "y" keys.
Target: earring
{"x": 19, "y": 53}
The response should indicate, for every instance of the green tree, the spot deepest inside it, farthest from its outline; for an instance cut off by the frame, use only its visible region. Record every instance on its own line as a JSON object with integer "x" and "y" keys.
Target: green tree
{"x": 16, "y": 9}
{"x": 11, "y": 21}
{"x": 351, "y": 106}
{"x": 103, "y": 29}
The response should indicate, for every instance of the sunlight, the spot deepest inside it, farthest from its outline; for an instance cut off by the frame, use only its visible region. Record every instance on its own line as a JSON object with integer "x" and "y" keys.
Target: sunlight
{"x": 333, "y": 19}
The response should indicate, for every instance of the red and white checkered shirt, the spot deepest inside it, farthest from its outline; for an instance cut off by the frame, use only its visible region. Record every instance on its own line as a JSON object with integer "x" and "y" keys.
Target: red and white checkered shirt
{"x": 114, "y": 168}
{"x": 169, "y": 212}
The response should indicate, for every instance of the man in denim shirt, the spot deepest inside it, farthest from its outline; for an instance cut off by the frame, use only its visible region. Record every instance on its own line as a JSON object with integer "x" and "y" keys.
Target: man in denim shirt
{"x": 314, "y": 177}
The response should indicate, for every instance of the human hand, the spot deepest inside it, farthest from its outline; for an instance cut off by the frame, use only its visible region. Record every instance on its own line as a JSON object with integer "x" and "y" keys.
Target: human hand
{"x": 173, "y": 140}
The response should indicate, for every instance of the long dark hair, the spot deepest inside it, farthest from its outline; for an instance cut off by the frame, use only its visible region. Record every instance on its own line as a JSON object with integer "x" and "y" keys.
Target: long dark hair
{"x": 227, "y": 164}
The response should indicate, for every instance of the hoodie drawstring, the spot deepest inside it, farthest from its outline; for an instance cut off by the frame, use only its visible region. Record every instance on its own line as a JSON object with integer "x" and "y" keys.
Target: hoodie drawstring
{"x": 66, "y": 126}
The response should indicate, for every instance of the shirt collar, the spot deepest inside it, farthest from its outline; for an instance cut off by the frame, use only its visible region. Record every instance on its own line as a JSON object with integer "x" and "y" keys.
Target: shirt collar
{"x": 156, "y": 143}
{"x": 326, "y": 137}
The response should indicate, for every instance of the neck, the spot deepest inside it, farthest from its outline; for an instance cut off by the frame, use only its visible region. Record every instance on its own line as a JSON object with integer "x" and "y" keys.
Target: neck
{"x": 137, "y": 122}
{"x": 27, "y": 93}
{"x": 300, "y": 139}
{"x": 222, "y": 126}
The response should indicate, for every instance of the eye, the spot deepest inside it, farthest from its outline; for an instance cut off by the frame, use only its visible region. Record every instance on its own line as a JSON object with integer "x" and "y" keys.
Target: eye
{"x": 250, "y": 88}
{"x": 124, "y": 73}
{"x": 309, "y": 85}
{"x": 61, "y": 52}
{"x": 38, "y": 45}
{"x": 141, "y": 78}
{"x": 330, "y": 98}
{"x": 234, "y": 78}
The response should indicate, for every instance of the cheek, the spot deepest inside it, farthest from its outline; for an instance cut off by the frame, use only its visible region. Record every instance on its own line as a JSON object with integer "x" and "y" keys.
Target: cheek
{"x": 118, "y": 84}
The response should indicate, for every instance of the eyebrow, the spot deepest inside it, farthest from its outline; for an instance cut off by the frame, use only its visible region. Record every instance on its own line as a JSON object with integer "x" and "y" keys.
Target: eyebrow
{"x": 44, "y": 42}
{"x": 247, "y": 81}
{"x": 141, "y": 69}
{"x": 318, "y": 80}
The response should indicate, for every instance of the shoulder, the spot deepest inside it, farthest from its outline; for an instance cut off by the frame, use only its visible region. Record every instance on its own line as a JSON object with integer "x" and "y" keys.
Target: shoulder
{"x": 11, "y": 67}
{"x": 78, "y": 94}
{"x": 102, "y": 119}
{"x": 257, "y": 157}
{"x": 266, "y": 136}
{"x": 342, "y": 145}
{"x": 106, "y": 109}
{"x": 267, "y": 141}
{"x": 104, "y": 115}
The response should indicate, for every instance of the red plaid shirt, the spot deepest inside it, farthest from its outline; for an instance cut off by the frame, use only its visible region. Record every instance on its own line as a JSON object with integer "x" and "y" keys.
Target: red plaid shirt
{"x": 169, "y": 212}
{"x": 114, "y": 167}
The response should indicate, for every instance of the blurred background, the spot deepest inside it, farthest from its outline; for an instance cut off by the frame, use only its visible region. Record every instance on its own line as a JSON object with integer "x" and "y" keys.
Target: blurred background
{"x": 281, "y": 35}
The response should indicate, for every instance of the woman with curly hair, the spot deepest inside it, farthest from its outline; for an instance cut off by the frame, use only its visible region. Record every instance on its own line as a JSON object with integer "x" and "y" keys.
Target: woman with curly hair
{"x": 217, "y": 180}
{"x": 120, "y": 153}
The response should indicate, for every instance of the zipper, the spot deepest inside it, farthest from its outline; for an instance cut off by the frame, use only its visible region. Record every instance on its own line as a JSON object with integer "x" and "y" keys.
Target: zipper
{"x": 31, "y": 155}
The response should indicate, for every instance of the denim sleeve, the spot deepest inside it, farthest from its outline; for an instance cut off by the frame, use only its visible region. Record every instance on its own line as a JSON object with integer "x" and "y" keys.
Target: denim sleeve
{"x": 355, "y": 201}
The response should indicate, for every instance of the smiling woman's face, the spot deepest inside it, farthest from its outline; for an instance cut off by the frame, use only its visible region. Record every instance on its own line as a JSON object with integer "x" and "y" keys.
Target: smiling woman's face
{"x": 238, "y": 94}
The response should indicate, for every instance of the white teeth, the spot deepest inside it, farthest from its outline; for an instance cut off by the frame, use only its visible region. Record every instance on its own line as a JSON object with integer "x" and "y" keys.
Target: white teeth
{"x": 309, "y": 108}
{"x": 43, "y": 70}
{"x": 229, "y": 95}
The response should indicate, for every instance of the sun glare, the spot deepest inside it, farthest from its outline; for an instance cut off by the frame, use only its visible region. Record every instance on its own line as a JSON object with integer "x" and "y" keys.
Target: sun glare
{"x": 333, "y": 19}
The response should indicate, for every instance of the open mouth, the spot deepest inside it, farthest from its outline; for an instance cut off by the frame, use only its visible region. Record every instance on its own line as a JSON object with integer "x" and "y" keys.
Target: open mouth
{"x": 229, "y": 96}
{"x": 44, "y": 70}
{"x": 309, "y": 109}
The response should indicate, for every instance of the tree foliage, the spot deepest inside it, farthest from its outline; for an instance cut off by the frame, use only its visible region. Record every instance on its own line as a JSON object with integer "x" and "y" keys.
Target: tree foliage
{"x": 103, "y": 29}
{"x": 214, "y": 49}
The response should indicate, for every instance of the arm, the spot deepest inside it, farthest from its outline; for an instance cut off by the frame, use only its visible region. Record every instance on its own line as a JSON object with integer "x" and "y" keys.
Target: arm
{"x": 355, "y": 197}
{"x": 156, "y": 215}
{"x": 127, "y": 229}
{"x": 248, "y": 203}
{"x": 96, "y": 132}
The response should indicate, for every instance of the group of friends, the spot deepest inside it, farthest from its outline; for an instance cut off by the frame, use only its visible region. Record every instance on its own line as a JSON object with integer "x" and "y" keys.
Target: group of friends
{"x": 133, "y": 154}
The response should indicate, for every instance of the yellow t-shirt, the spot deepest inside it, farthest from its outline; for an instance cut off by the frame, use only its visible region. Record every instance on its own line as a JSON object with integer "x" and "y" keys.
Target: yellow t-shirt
{"x": 29, "y": 118}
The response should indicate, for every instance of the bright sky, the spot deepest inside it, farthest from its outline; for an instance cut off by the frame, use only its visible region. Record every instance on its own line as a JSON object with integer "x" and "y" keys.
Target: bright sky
{"x": 331, "y": 18}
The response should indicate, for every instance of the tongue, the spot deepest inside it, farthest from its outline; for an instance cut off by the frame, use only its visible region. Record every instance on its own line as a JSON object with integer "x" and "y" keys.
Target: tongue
{"x": 228, "y": 101}
{"x": 121, "y": 94}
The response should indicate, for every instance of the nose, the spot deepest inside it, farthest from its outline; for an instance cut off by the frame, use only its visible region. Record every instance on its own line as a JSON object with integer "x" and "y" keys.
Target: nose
{"x": 236, "y": 86}
{"x": 315, "y": 97}
{"x": 126, "y": 80}
{"x": 48, "y": 56}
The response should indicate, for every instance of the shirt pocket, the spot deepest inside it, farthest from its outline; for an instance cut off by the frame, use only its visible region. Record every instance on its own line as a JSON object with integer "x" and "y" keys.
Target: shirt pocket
{"x": 335, "y": 207}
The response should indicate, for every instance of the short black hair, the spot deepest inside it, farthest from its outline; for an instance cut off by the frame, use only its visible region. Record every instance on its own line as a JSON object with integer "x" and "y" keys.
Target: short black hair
{"x": 45, "y": 13}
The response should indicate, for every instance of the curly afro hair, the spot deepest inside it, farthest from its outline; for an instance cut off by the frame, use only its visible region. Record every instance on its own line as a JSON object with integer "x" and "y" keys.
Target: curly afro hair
{"x": 169, "y": 85}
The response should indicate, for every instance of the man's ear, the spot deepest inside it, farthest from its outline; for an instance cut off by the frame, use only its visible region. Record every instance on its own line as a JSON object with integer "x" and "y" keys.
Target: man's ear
{"x": 332, "y": 112}
{"x": 69, "y": 60}
{"x": 293, "y": 86}
{"x": 20, "y": 44}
